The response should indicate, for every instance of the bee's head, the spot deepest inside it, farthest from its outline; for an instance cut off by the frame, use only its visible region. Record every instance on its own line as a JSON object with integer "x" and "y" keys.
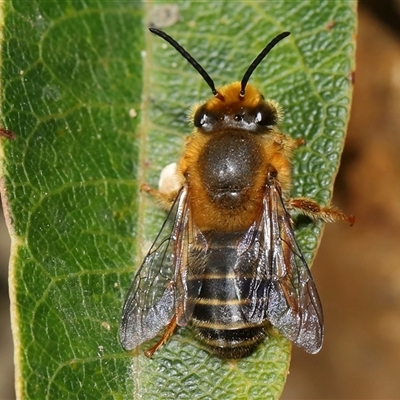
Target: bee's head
{"x": 229, "y": 109}
{"x": 238, "y": 105}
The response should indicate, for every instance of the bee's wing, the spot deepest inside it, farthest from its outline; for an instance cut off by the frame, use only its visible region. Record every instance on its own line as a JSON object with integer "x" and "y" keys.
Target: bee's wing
{"x": 152, "y": 299}
{"x": 282, "y": 291}
{"x": 293, "y": 302}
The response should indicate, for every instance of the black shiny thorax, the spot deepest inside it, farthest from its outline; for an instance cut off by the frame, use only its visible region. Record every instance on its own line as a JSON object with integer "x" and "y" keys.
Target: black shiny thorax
{"x": 230, "y": 161}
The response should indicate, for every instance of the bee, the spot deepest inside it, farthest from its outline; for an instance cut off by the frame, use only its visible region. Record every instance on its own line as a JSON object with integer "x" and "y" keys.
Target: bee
{"x": 226, "y": 259}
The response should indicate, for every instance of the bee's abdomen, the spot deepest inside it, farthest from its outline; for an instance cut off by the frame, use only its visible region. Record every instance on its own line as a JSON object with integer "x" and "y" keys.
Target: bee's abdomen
{"x": 233, "y": 338}
{"x": 221, "y": 310}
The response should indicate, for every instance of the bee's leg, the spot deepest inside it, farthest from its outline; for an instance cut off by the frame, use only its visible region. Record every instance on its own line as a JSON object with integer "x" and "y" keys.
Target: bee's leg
{"x": 165, "y": 199}
{"x": 169, "y": 330}
{"x": 287, "y": 144}
{"x": 313, "y": 210}
{"x": 298, "y": 143}
{"x": 170, "y": 184}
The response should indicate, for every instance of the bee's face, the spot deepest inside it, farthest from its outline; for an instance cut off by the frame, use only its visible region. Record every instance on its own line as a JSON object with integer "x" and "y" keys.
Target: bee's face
{"x": 229, "y": 110}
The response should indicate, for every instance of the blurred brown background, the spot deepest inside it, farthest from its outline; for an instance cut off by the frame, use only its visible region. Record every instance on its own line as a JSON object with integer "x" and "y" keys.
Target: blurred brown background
{"x": 357, "y": 269}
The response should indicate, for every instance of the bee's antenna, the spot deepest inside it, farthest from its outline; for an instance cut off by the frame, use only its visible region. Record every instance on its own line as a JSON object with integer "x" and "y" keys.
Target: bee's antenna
{"x": 259, "y": 58}
{"x": 188, "y": 58}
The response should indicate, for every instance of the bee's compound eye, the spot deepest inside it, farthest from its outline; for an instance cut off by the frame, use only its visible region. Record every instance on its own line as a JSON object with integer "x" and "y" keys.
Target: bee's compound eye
{"x": 204, "y": 119}
{"x": 266, "y": 115}
{"x": 199, "y": 117}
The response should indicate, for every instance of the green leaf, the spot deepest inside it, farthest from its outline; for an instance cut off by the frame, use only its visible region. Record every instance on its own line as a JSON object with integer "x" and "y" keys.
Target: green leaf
{"x": 99, "y": 105}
